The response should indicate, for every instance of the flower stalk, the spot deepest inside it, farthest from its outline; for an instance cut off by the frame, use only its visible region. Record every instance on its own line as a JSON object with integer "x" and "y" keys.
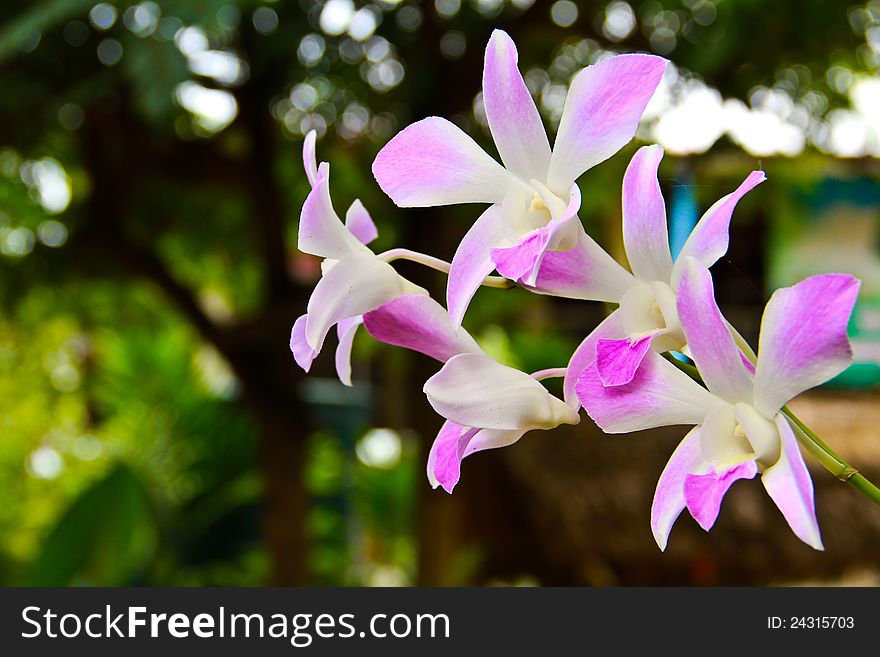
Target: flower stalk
{"x": 440, "y": 265}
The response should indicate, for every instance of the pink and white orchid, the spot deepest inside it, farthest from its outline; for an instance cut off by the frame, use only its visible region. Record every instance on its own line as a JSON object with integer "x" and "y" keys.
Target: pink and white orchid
{"x": 647, "y": 317}
{"x": 740, "y": 430}
{"x": 532, "y": 236}
{"x": 530, "y": 233}
{"x": 354, "y": 280}
{"x": 485, "y": 404}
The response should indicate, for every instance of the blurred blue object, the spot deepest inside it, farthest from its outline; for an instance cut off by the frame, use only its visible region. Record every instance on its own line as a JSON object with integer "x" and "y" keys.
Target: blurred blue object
{"x": 683, "y": 214}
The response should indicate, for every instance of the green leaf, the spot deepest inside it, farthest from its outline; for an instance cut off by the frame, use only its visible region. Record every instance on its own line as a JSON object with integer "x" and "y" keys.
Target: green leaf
{"x": 103, "y": 539}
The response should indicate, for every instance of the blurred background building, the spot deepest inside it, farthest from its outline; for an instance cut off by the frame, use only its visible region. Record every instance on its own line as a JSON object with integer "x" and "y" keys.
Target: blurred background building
{"x": 153, "y": 427}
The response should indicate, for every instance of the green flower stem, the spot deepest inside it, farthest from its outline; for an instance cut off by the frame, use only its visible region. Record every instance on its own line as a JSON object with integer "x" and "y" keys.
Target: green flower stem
{"x": 832, "y": 462}
{"x": 806, "y": 437}
{"x": 440, "y": 265}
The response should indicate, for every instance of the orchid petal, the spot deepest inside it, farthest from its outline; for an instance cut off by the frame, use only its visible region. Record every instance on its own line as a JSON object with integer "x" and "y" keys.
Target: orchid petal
{"x": 583, "y": 272}
{"x": 303, "y": 354}
{"x": 659, "y": 395}
{"x": 618, "y": 360}
{"x": 761, "y": 433}
{"x": 517, "y": 262}
{"x": 455, "y": 442}
{"x": 602, "y": 111}
{"x": 514, "y": 120}
{"x": 711, "y": 345}
{"x": 803, "y": 339}
{"x": 704, "y": 492}
{"x": 417, "y": 322}
{"x": 491, "y": 439}
{"x": 473, "y": 262}
{"x": 310, "y": 162}
{"x": 432, "y": 162}
{"x": 711, "y": 236}
{"x": 789, "y": 484}
{"x": 321, "y": 232}
{"x": 360, "y": 224}
{"x": 346, "y": 330}
{"x": 351, "y": 287}
{"x": 585, "y": 355}
{"x": 650, "y": 308}
{"x": 722, "y": 445}
{"x": 476, "y": 391}
{"x": 669, "y": 499}
{"x": 447, "y": 451}
{"x": 645, "y": 234}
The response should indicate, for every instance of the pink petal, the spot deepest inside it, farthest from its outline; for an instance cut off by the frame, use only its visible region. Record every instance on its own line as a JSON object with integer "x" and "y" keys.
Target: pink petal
{"x": 704, "y": 492}
{"x": 360, "y": 224}
{"x": 454, "y": 443}
{"x": 345, "y": 330}
{"x": 518, "y": 262}
{"x": 432, "y": 162}
{"x": 513, "y": 118}
{"x": 310, "y": 163}
{"x": 303, "y": 354}
{"x": 711, "y": 235}
{"x": 585, "y": 355}
{"x": 709, "y": 339}
{"x": 583, "y": 272}
{"x": 803, "y": 339}
{"x": 472, "y": 262}
{"x": 321, "y": 232}
{"x": 447, "y": 451}
{"x": 645, "y": 233}
{"x": 659, "y": 395}
{"x": 602, "y": 111}
{"x": 417, "y": 322}
{"x": 669, "y": 496}
{"x": 789, "y": 484}
{"x": 618, "y": 360}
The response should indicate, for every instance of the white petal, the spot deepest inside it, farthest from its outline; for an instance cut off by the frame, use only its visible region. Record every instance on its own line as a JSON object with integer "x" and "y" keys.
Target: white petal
{"x": 475, "y": 391}
{"x": 352, "y": 287}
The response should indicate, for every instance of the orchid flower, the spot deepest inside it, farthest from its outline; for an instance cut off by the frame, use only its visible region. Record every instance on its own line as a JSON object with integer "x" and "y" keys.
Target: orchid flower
{"x": 648, "y": 317}
{"x": 354, "y": 279}
{"x": 485, "y": 404}
{"x": 530, "y": 233}
{"x": 741, "y": 429}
